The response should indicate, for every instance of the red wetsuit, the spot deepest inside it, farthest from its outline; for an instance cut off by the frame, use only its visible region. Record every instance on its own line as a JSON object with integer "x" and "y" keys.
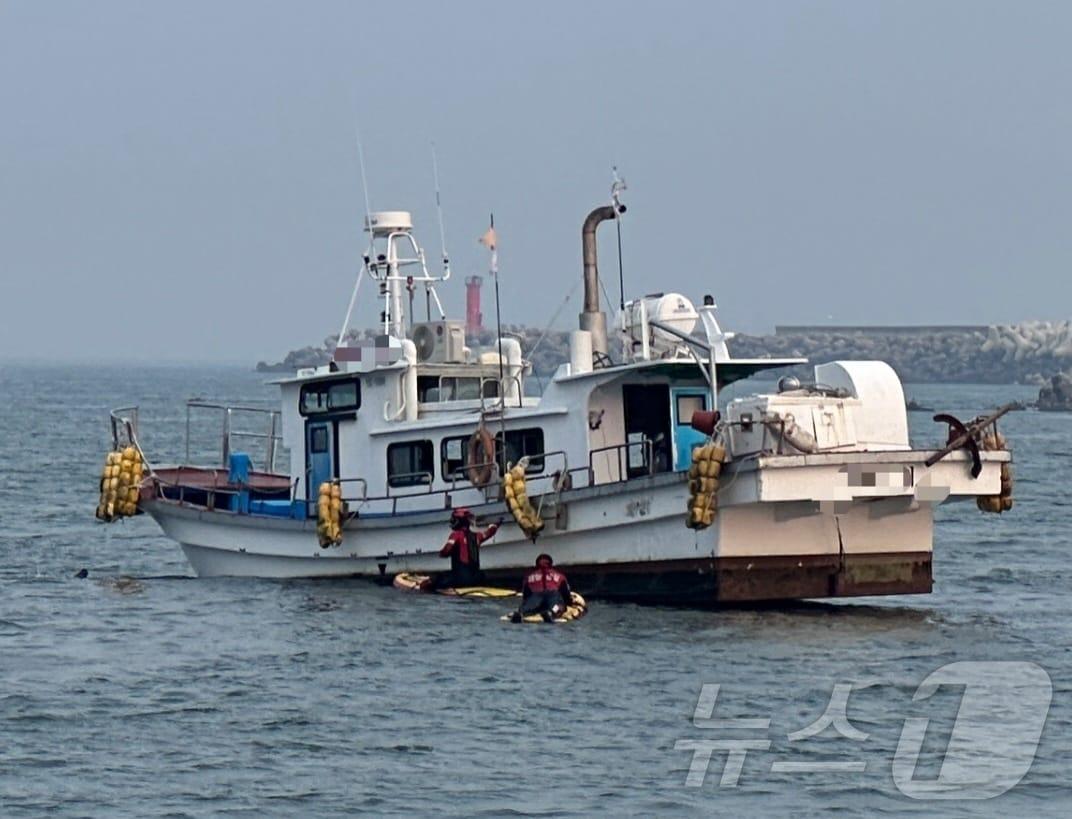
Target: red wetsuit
{"x": 463, "y": 549}
{"x": 544, "y": 587}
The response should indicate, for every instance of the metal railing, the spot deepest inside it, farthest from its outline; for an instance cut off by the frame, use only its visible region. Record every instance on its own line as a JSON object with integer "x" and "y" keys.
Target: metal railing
{"x": 271, "y": 436}
{"x": 124, "y": 420}
{"x": 544, "y": 482}
{"x": 623, "y": 453}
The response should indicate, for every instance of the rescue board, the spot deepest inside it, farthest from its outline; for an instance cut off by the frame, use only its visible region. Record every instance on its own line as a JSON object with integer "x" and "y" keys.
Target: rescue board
{"x": 577, "y": 609}
{"x": 418, "y": 582}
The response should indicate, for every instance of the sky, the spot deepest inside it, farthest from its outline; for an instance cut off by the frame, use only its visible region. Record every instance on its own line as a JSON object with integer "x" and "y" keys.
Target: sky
{"x": 180, "y": 181}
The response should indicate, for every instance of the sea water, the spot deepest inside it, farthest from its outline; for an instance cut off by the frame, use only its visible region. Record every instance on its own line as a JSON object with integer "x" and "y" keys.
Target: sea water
{"x": 143, "y": 691}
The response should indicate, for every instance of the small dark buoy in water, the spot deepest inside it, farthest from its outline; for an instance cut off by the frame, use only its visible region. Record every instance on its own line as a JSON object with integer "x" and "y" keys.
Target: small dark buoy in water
{"x": 82, "y": 574}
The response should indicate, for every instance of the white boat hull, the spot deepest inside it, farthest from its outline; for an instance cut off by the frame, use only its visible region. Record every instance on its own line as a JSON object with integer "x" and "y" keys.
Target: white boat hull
{"x": 777, "y": 535}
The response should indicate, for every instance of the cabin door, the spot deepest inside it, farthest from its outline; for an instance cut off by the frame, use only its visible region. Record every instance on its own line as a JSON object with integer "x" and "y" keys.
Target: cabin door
{"x": 647, "y": 418}
{"x": 319, "y": 457}
{"x": 686, "y": 401}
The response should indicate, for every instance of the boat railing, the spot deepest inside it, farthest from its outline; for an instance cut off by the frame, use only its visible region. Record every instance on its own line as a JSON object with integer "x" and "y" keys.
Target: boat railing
{"x": 622, "y": 454}
{"x": 124, "y": 421}
{"x": 422, "y": 478}
{"x": 270, "y": 434}
{"x": 388, "y": 503}
{"x": 497, "y": 403}
{"x": 547, "y": 482}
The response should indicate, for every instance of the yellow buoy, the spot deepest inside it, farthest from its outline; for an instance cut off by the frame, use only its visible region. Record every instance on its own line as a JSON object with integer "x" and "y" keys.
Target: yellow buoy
{"x": 517, "y": 500}
{"x": 330, "y": 510}
{"x": 703, "y": 485}
{"x": 1002, "y": 502}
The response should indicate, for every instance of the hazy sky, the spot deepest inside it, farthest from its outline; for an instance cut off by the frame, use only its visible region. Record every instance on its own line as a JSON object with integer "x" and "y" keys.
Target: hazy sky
{"x": 180, "y": 181}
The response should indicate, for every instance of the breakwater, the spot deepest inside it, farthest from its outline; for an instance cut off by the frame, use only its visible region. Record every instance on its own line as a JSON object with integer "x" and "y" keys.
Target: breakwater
{"x": 1031, "y": 352}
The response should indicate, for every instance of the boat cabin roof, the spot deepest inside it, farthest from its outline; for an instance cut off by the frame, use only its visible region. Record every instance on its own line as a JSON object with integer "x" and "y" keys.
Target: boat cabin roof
{"x": 735, "y": 369}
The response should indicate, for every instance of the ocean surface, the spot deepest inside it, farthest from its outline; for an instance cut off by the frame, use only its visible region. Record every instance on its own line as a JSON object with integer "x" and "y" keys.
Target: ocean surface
{"x": 142, "y": 691}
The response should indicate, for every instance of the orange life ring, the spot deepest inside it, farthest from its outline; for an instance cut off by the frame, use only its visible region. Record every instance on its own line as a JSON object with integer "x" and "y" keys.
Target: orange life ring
{"x": 480, "y": 457}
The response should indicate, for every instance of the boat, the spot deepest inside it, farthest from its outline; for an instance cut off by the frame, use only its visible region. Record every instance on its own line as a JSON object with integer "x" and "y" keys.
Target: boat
{"x": 810, "y": 491}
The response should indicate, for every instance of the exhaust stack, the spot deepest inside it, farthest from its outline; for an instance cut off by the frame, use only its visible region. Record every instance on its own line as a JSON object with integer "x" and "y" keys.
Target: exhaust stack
{"x": 593, "y": 319}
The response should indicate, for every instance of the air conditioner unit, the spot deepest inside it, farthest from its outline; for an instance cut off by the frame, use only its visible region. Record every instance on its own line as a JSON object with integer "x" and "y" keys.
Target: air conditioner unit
{"x": 440, "y": 342}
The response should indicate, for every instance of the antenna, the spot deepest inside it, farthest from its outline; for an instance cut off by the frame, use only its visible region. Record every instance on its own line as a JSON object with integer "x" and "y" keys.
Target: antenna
{"x": 364, "y": 186}
{"x": 439, "y": 212}
{"x": 368, "y": 216}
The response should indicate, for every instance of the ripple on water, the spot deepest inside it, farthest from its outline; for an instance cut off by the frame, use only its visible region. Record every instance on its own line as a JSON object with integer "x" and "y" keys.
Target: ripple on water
{"x": 166, "y": 696}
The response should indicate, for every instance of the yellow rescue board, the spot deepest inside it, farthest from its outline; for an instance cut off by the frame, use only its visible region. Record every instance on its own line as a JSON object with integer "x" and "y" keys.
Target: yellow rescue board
{"x": 418, "y": 583}
{"x": 577, "y": 609}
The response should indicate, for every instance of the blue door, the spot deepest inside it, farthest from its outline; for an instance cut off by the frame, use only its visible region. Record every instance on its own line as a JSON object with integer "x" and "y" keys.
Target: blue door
{"x": 684, "y": 402}
{"x": 319, "y": 457}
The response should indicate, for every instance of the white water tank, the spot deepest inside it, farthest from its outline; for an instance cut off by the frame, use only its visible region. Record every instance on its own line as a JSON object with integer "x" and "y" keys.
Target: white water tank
{"x": 671, "y": 309}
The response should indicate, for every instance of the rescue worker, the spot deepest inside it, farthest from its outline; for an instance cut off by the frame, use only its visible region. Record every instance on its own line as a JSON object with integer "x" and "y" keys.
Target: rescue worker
{"x": 463, "y": 549}
{"x": 546, "y": 591}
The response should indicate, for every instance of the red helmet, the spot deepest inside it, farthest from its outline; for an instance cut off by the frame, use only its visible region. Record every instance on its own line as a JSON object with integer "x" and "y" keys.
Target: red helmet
{"x": 460, "y": 517}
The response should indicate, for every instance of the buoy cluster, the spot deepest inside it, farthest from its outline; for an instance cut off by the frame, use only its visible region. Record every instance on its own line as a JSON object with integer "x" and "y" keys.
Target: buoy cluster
{"x": 703, "y": 484}
{"x": 329, "y": 514}
{"x": 1003, "y": 501}
{"x": 517, "y": 500}
{"x": 120, "y": 484}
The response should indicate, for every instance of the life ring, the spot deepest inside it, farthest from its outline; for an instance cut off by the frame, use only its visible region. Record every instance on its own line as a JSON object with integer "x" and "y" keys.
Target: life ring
{"x": 480, "y": 458}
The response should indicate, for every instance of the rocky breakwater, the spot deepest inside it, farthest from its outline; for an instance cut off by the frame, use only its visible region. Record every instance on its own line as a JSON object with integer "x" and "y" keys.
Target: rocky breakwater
{"x": 1031, "y": 352}
{"x": 1025, "y": 353}
{"x": 1057, "y": 395}
{"x": 298, "y": 359}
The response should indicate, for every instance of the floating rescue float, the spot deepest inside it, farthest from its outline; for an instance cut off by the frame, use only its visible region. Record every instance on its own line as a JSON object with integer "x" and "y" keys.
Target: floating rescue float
{"x": 330, "y": 511}
{"x": 703, "y": 484}
{"x": 517, "y": 499}
{"x": 120, "y": 484}
{"x": 409, "y": 582}
{"x": 1002, "y": 502}
{"x": 577, "y": 609}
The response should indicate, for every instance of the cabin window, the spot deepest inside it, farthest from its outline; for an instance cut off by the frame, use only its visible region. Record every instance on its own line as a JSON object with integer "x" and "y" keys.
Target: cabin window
{"x": 452, "y": 453}
{"x": 686, "y": 406}
{"x": 330, "y": 396}
{"x": 427, "y": 389}
{"x": 520, "y": 442}
{"x": 410, "y": 463}
{"x": 452, "y": 388}
{"x": 318, "y": 439}
{"x": 490, "y": 388}
{"x": 342, "y": 396}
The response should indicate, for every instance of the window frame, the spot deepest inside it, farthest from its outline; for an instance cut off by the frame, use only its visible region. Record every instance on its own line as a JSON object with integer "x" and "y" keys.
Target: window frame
{"x": 446, "y": 473}
{"x": 536, "y": 465}
{"x": 323, "y": 390}
{"x": 410, "y": 478}
{"x": 677, "y": 407}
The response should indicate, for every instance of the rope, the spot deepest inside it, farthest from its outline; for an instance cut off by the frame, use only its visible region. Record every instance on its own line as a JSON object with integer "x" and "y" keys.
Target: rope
{"x": 350, "y": 309}
{"x": 554, "y": 317}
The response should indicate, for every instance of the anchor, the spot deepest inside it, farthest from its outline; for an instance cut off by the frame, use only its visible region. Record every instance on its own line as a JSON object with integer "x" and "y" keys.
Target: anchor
{"x": 964, "y": 436}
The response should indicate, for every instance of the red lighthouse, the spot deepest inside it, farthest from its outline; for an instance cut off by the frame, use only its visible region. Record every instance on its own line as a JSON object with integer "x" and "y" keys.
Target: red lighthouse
{"x": 474, "y": 319}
